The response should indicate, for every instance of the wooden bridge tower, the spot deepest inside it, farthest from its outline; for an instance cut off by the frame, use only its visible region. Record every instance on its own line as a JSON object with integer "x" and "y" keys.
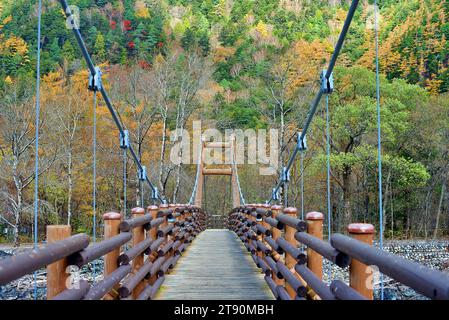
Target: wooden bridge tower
{"x": 227, "y": 147}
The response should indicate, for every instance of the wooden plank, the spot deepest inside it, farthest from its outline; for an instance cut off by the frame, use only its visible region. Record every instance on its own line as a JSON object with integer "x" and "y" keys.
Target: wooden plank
{"x": 216, "y": 266}
{"x": 217, "y": 172}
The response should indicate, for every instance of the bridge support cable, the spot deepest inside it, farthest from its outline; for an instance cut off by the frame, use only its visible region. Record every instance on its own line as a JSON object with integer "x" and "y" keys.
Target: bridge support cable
{"x": 36, "y": 140}
{"x": 328, "y": 77}
{"x": 379, "y": 140}
{"x": 197, "y": 176}
{"x": 285, "y": 181}
{"x": 93, "y": 70}
{"x": 125, "y": 168}
{"x": 124, "y": 144}
{"x": 94, "y": 179}
{"x": 328, "y": 176}
{"x": 142, "y": 176}
{"x": 301, "y": 172}
{"x": 234, "y": 168}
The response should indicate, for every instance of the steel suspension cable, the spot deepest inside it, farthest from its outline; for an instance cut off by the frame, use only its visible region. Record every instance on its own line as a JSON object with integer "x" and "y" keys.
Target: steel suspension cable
{"x": 36, "y": 141}
{"x": 94, "y": 180}
{"x": 379, "y": 140}
{"x": 91, "y": 66}
{"x": 242, "y": 199}
{"x": 328, "y": 178}
{"x": 328, "y": 171}
{"x": 142, "y": 192}
{"x": 320, "y": 94}
{"x": 301, "y": 169}
{"x": 125, "y": 160}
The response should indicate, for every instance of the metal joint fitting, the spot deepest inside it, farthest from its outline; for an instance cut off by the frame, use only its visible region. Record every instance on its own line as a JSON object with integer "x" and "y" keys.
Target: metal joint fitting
{"x": 95, "y": 80}
{"x": 327, "y": 85}
{"x": 124, "y": 139}
{"x": 143, "y": 174}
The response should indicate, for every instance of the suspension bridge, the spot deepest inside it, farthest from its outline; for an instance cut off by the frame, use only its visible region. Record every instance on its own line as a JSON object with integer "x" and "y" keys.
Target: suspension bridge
{"x": 257, "y": 251}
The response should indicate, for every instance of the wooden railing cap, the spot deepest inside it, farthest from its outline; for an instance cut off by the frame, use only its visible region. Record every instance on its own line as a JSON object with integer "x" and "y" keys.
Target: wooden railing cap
{"x": 163, "y": 206}
{"x": 138, "y": 210}
{"x": 314, "y": 215}
{"x": 276, "y": 207}
{"x": 290, "y": 210}
{"x": 112, "y": 216}
{"x": 361, "y": 228}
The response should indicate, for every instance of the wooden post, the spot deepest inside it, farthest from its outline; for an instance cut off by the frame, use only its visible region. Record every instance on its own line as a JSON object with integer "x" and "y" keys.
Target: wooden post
{"x": 276, "y": 233}
{"x": 153, "y": 211}
{"x": 163, "y": 206}
{"x": 315, "y": 228}
{"x": 152, "y": 233}
{"x": 56, "y": 272}
{"x": 111, "y": 229}
{"x": 259, "y": 237}
{"x": 168, "y": 238}
{"x": 265, "y": 225}
{"x": 361, "y": 275}
{"x": 289, "y": 236}
{"x": 138, "y": 237}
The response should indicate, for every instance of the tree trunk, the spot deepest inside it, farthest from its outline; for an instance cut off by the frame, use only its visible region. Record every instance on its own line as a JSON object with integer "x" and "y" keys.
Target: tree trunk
{"x": 440, "y": 204}
{"x": 17, "y": 213}
{"x": 70, "y": 191}
{"x": 178, "y": 182}
{"x": 18, "y": 204}
{"x": 407, "y": 226}
{"x": 385, "y": 200}
{"x": 281, "y": 139}
{"x": 139, "y": 188}
{"x": 426, "y": 211}
{"x": 162, "y": 159}
{"x": 347, "y": 196}
{"x": 392, "y": 213}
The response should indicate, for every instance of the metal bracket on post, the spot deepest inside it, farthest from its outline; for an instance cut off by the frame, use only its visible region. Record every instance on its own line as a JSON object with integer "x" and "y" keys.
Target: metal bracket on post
{"x": 155, "y": 194}
{"x": 302, "y": 144}
{"x": 275, "y": 194}
{"x": 327, "y": 85}
{"x": 95, "y": 80}
{"x": 124, "y": 139}
{"x": 285, "y": 175}
{"x": 143, "y": 174}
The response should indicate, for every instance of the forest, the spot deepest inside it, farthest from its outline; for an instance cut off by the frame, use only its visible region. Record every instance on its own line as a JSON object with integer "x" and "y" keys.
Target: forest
{"x": 233, "y": 64}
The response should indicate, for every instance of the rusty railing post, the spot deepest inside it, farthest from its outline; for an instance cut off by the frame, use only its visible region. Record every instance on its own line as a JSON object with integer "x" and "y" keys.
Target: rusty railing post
{"x": 361, "y": 275}
{"x": 57, "y": 271}
{"x": 111, "y": 229}
{"x": 138, "y": 236}
{"x": 276, "y": 233}
{"x": 289, "y": 236}
{"x": 152, "y": 210}
{"x": 315, "y": 228}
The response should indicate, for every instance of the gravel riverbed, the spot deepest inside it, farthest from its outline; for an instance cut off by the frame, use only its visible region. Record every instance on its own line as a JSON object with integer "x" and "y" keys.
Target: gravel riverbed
{"x": 434, "y": 254}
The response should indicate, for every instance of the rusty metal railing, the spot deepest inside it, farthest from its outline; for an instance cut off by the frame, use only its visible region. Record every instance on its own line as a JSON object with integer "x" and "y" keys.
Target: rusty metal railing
{"x": 272, "y": 235}
{"x": 158, "y": 238}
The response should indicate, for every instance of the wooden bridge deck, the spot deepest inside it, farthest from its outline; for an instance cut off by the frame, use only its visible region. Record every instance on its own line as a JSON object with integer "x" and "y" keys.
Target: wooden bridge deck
{"x": 215, "y": 267}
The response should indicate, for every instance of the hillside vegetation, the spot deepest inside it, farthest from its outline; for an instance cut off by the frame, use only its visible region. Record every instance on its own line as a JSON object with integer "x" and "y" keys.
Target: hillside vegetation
{"x": 246, "y": 64}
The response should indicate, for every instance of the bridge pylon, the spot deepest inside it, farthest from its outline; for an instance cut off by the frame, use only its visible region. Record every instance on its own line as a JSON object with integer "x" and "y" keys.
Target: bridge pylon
{"x": 230, "y": 170}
